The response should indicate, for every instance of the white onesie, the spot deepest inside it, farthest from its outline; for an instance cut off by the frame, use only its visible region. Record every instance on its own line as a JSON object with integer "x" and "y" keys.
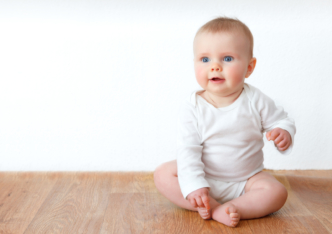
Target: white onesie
{"x": 225, "y": 143}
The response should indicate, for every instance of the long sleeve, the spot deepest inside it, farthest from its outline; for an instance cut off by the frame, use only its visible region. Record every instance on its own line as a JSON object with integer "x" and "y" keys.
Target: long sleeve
{"x": 189, "y": 152}
{"x": 273, "y": 116}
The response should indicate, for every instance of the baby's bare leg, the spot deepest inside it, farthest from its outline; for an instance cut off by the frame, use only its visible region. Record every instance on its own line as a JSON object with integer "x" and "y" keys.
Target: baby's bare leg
{"x": 263, "y": 195}
{"x": 166, "y": 181}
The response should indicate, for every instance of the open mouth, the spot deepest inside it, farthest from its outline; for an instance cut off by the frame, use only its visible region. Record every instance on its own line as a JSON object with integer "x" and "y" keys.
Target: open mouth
{"x": 216, "y": 78}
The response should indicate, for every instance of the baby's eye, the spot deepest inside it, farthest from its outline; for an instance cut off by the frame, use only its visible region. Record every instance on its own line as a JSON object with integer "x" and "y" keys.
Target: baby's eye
{"x": 205, "y": 59}
{"x": 228, "y": 59}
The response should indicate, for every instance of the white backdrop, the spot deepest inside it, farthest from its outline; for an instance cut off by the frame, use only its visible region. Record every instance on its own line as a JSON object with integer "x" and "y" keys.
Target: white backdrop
{"x": 96, "y": 85}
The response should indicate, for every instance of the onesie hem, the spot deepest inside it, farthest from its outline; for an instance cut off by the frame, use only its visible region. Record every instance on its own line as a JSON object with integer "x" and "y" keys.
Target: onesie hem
{"x": 243, "y": 178}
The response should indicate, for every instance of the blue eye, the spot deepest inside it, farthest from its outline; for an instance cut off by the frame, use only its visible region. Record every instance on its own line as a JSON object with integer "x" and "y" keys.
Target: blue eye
{"x": 228, "y": 59}
{"x": 205, "y": 59}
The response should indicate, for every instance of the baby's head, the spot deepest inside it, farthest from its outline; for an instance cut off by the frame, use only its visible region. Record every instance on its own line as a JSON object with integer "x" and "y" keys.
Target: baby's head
{"x": 223, "y": 48}
{"x": 228, "y": 25}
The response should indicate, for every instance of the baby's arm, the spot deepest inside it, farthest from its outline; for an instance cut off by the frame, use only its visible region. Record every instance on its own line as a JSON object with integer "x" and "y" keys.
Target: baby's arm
{"x": 282, "y": 139}
{"x": 191, "y": 174}
{"x": 275, "y": 121}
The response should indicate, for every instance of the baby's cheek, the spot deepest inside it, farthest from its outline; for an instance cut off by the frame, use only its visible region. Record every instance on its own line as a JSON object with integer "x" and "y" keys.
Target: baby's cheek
{"x": 199, "y": 72}
{"x": 198, "y": 69}
{"x": 237, "y": 75}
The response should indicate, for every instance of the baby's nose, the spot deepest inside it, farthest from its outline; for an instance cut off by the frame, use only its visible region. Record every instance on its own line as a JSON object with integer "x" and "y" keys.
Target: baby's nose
{"x": 216, "y": 67}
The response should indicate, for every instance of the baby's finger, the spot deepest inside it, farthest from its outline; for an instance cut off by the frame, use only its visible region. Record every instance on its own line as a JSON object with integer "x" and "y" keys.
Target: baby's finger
{"x": 193, "y": 202}
{"x": 199, "y": 202}
{"x": 282, "y": 143}
{"x": 206, "y": 202}
{"x": 285, "y": 147}
{"x": 279, "y": 139}
{"x": 274, "y": 135}
{"x": 268, "y": 135}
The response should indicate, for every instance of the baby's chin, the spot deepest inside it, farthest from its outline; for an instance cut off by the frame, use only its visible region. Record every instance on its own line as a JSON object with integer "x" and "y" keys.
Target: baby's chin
{"x": 224, "y": 93}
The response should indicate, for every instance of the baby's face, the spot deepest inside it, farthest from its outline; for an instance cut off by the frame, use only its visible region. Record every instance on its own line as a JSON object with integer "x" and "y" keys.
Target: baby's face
{"x": 221, "y": 55}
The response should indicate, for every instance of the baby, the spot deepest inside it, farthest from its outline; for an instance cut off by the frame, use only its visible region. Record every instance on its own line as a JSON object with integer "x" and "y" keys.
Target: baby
{"x": 218, "y": 171}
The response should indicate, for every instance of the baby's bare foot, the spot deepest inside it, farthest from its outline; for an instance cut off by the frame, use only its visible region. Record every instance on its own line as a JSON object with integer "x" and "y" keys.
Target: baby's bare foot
{"x": 204, "y": 213}
{"x": 227, "y": 214}
{"x": 233, "y": 214}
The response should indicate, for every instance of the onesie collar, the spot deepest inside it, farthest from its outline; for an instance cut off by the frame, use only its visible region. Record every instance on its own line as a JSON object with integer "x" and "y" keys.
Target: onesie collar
{"x": 193, "y": 96}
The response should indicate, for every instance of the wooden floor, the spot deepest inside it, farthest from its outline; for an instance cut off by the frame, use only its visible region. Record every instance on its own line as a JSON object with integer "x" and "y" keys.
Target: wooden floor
{"x": 117, "y": 202}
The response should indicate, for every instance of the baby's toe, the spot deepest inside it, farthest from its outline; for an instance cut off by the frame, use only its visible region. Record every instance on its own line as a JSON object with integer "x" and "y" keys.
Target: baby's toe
{"x": 233, "y": 224}
{"x": 234, "y": 215}
{"x": 232, "y": 209}
{"x": 235, "y": 220}
{"x": 204, "y": 213}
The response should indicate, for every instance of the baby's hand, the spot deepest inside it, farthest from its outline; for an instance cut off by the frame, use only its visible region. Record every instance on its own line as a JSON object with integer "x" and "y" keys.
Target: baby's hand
{"x": 200, "y": 198}
{"x": 282, "y": 139}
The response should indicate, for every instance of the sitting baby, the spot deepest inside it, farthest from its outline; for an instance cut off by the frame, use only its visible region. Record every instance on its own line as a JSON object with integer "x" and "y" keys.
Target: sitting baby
{"x": 218, "y": 171}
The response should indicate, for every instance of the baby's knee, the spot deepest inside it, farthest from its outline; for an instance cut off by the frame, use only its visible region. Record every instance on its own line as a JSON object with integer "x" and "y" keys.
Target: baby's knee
{"x": 280, "y": 194}
{"x": 157, "y": 174}
{"x": 283, "y": 193}
{"x": 160, "y": 173}
{"x": 166, "y": 169}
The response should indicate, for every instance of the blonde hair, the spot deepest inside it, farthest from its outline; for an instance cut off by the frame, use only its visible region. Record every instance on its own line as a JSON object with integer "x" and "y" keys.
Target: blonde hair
{"x": 225, "y": 24}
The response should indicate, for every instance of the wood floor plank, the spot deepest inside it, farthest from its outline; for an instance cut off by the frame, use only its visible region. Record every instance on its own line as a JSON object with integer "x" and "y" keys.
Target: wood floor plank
{"x": 312, "y": 224}
{"x": 22, "y": 194}
{"x": 308, "y": 173}
{"x": 76, "y": 204}
{"x": 133, "y": 182}
{"x": 242, "y": 228}
{"x": 139, "y": 213}
{"x": 115, "y": 216}
{"x": 277, "y": 225}
{"x": 316, "y": 194}
{"x": 7, "y": 182}
{"x": 144, "y": 183}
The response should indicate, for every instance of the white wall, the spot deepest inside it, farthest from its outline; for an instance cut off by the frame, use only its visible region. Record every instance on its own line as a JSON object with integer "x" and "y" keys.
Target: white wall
{"x": 96, "y": 85}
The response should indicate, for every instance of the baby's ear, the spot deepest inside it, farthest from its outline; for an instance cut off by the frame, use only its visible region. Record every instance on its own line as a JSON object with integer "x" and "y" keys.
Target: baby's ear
{"x": 251, "y": 67}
